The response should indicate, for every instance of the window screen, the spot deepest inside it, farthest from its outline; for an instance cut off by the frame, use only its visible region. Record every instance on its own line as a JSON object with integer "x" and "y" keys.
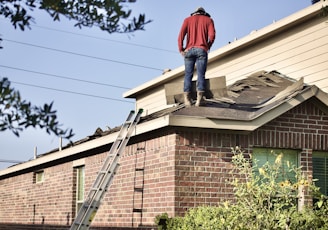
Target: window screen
{"x": 264, "y": 155}
{"x": 320, "y": 165}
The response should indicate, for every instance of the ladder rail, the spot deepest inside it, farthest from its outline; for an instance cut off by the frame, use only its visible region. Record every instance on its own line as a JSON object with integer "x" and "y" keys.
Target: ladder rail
{"x": 92, "y": 206}
{"x": 86, "y": 206}
{"x": 105, "y": 175}
{"x": 139, "y": 173}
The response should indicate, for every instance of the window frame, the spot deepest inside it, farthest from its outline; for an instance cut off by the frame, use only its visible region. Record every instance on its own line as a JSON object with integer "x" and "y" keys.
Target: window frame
{"x": 80, "y": 187}
{"x": 277, "y": 151}
{"x": 38, "y": 177}
{"x": 320, "y": 155}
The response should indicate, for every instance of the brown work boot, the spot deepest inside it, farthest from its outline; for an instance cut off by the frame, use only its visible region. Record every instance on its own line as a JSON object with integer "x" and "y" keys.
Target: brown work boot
{"x": 200, "y": 99}
{"x": 187, "y": 99}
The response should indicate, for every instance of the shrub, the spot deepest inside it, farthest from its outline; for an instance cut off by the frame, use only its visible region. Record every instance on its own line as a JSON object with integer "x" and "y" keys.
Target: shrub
{"x": 264, "y": 199}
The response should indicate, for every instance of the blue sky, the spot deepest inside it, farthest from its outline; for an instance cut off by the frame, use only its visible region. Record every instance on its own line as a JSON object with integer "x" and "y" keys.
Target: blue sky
{"x": 42, "y": 62}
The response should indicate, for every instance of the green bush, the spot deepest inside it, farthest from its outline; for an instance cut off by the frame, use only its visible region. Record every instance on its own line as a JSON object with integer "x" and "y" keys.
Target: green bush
{"x": 263, "y": 199}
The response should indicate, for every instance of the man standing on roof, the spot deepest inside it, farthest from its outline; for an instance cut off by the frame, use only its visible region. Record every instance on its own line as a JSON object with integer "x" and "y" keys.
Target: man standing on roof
{"x": 200, "y": 32}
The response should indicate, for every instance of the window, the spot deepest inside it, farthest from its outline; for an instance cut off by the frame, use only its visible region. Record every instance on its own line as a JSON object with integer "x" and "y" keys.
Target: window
{"x": 38, "y": 177}
{"x": 320, "y": 171}
{"x": 264, "y": 155}
{"x": 79, "y": 187}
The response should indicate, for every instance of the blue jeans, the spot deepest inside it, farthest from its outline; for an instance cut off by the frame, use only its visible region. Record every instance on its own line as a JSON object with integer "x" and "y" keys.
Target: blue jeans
{"x": 194, "y": 56}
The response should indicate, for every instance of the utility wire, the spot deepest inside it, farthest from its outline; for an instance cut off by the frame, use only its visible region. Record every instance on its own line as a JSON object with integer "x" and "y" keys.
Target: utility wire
{"x": 83, "y": 55}
{"x": 106, "y": 39}
{"x": 63, "y": 77}
{"x": 71, "y": 92}
{"x": 10, "y": 161}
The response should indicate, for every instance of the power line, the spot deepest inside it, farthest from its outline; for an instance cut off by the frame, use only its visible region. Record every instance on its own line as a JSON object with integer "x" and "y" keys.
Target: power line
{"x": 71, "y": 92}
{"x": 10, "y": 161}
{"x": 106, "y": 39}
{"x": 64, "y": 77}
{"x": 83, "y": 55}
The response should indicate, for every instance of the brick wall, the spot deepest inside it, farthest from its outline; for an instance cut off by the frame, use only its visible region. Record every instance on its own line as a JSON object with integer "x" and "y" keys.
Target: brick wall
{"x": 183, "y": 168}
{"x": 156, "y": 156}
{"x": 9, "y": 226}
{"x": 202, "y": 168}
{"x": 203, "y": 156}
{"x": 48, "y": 202}
{"x": 304, "y": 126}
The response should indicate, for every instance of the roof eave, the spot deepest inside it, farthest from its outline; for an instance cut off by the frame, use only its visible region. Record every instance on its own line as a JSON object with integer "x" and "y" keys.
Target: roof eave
{"x": 83, "y": 147}
{"x": 256, "y": 121}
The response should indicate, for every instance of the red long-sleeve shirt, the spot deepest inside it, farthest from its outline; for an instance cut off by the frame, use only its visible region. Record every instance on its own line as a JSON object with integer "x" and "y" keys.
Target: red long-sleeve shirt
{"x": 200, "y": 33}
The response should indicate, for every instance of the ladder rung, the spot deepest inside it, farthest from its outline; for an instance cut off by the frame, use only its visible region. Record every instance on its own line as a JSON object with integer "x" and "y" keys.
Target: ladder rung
{"x": 85, "y": 205}
{"x": 80, "y": 223}
{"x": 138, "y": 189}
{"x": 91, "y": 207}
{"x": 140, "y": 169}
{"x": 105, "y": 175}
{"x": 137, "y": 210}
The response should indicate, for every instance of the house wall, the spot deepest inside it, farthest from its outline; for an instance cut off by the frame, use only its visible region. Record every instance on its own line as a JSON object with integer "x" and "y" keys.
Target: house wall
{"x": 51, "y": 203}
{"x": 155, "y": 154}
{"x": 155, "y": 99}
{"x": 152, "y": 102}
{"x": 203, "y": 159}
{"x": 22, "y": 201}
{"x": 183, "y": 168}
{"x": 300, "y": 51}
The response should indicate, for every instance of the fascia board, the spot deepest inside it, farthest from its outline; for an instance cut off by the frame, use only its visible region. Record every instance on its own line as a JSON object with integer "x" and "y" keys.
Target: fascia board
{"x": 89, "y": 145}
{"x": 321, "y": 95}
{"x": 70, "y": 151}
{"x": 152, "y": 125}
{"x": 203, "y": 122}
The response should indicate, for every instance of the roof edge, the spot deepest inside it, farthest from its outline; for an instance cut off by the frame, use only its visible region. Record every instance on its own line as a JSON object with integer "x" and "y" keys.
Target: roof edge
{"x": 86, "y": 146}
{"x": 256, "y": 121}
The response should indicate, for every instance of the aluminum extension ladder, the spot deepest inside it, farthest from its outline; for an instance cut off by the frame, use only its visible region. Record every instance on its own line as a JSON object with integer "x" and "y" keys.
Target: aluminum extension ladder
{"x": 105, "y": 176}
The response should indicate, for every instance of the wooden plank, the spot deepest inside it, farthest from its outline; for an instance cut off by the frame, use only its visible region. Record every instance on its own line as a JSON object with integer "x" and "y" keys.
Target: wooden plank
{"x": 215, "y": 87}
